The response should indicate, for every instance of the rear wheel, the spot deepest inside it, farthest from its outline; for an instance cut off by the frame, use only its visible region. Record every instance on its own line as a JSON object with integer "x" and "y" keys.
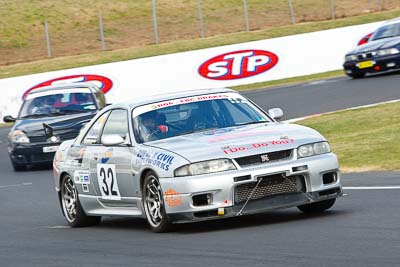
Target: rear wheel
{"x": 317, "y": 207}
{"x": 71, "y": 206}
{"x": 154, "y": 204}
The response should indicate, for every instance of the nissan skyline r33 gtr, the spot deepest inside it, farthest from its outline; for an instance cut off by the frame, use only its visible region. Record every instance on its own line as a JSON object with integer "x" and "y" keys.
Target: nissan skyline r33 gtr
{"x": 192, "y": 156}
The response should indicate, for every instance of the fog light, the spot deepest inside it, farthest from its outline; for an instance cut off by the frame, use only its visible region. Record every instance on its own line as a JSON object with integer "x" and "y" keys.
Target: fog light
{"x": 377, "y": 68}
{"x": 391, "y": 65}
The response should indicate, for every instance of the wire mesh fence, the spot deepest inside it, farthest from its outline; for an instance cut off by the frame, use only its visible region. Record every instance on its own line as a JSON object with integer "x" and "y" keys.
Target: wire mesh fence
{"x": 31, "y": 30}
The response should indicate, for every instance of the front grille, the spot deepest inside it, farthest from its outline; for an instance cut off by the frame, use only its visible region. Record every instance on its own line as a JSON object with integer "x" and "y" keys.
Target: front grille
{"x": 42, "y": 157}
{"x": 63, "y": 136}
{"x": 271, "y": 185}
{"x": 257, "y": 159}
{"x": 364, "y": 56}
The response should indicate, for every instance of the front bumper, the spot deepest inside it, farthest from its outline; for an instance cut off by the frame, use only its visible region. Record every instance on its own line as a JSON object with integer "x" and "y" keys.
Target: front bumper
{"x": 24, "y": 154}
{"x": 179, "y": 192}
{"x": 380, "y": 64}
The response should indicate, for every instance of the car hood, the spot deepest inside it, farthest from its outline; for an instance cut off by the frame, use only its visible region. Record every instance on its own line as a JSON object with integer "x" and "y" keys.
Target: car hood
{"x": 239, "y": 141}
{"x": 70, "y": 122}
{"x": 376, "y": 45}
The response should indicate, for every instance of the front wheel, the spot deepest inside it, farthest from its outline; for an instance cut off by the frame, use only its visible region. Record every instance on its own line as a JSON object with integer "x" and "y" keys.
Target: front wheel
{"x": 154, "y": 204}
{"x": 71, "y": 206}
{"x": 317, "y": 207}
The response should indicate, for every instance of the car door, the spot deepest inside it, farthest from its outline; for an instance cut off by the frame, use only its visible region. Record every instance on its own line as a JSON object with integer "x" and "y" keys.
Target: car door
{"x": 90, "y": 148}
{"x": 114, "y": 163}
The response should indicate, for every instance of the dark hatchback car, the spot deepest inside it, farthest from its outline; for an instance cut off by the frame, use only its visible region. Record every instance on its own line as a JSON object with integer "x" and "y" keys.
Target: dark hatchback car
{"x": 380, "y": 53}
{"x": 49, "y": 116}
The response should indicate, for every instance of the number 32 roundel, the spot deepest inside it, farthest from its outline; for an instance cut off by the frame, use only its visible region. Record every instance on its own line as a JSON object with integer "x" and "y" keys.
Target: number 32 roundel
{"x": 107, "y": 180}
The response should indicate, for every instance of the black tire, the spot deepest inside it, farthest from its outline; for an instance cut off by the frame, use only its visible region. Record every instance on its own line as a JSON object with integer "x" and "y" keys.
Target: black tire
{"x": 357, "y": 75}
{"x": 317, "y": 207}
{"x": 71, "y": 206}
{"x": 152, "y": 196}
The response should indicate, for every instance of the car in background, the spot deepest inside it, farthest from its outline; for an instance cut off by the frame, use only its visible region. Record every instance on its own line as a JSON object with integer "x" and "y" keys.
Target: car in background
{"x": 380, "y": 53}
{"x": 49, "y": 116}
{"x": 192, "y": 156}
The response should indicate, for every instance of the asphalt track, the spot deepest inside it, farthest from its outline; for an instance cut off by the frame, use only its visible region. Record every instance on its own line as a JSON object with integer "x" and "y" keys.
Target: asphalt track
{"x": 362, "y": 229}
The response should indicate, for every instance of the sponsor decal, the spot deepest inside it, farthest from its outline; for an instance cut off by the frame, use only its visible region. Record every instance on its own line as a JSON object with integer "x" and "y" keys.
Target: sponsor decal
{"x": 187, "y": 100}
{"x": 238, "y": 135}
{"x": 173, "y": 198}
{"x": 162, "y": 161}
{"x": 85, "y": 188}
{"x": 82, "y": 177}
{"x": 238, "y": 64}
{"x": 107, "y": 155}
{"x": 257, "y": 146}
{"x": 169, "y": 103}
{"x": 105, "y": 84}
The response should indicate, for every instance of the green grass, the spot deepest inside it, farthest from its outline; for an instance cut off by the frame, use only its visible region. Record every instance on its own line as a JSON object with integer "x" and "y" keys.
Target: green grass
{"x": 6, "y": 124}
{"x": 183, "y": 45}
{"x": 365, "y": 139}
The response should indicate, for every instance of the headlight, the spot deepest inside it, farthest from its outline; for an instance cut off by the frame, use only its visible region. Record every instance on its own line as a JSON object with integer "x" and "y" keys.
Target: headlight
{"x": 350, "y": 58}
{"x": 386, "y": 52}
{"x": 204, "y": 167}
{"x": 19, "y": 137}
{"x": 313, "y": 149}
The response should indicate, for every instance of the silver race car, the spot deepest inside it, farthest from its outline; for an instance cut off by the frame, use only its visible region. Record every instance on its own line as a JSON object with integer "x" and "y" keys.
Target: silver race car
{"x": 192, "y": 156}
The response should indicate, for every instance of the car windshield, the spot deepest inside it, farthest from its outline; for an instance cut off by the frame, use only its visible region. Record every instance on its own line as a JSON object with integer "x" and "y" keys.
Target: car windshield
{"x": 194, "y": 114}
{"x": 60, "y": 103}
{"x": 387, "y": 31}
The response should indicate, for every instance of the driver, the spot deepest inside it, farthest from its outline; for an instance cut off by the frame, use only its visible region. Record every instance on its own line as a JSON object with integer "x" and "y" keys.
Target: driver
{"x": 152, "y": 126}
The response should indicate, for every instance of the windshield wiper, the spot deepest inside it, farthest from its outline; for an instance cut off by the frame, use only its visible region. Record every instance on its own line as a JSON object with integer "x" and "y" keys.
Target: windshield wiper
{"x": 199, "y": 130}
{"x": 248, "y": 123}
{"x": 34, "y": 116}
{"x": 66, "y": 111}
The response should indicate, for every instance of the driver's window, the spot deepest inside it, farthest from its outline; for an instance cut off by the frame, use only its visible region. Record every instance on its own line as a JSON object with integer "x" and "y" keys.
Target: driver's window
{"x": 92, "y": 135}
{"x": 117, "y": 123}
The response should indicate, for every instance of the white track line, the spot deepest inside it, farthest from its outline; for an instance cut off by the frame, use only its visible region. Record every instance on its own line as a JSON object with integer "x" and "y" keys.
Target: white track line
{"x": 15, "y": 185}
{"x": 58, "y": 227}
{"x": 393, "y": 187}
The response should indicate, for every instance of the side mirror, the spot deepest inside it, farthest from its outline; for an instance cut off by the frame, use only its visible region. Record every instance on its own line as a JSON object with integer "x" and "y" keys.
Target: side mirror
{"x": 275, "y": 113}
{"x": 112, "y": 140}
{"x": 9, "y": 118}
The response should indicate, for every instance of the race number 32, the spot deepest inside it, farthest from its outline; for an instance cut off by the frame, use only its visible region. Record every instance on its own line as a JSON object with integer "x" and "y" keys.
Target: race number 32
{"x": 107, "y": 181}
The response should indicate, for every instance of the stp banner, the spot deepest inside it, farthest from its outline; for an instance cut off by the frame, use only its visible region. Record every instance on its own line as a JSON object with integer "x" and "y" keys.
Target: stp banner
{"x": 223, "y": 66}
